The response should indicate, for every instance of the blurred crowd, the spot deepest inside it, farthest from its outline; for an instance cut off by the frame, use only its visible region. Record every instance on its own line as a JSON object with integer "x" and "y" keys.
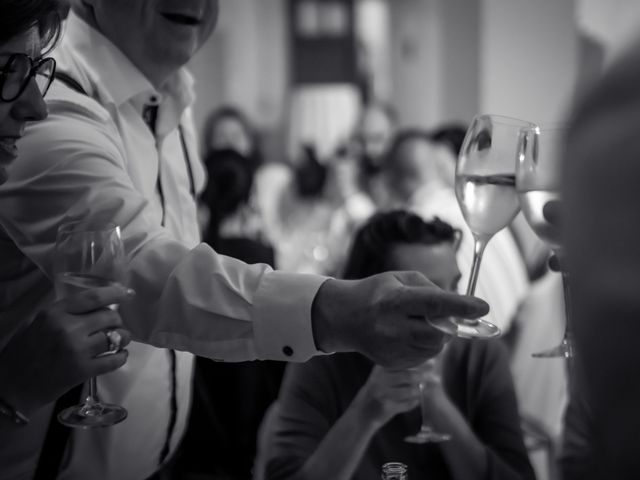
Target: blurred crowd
{"x": 302, "y": 214}
{"x": 305, "y": 304}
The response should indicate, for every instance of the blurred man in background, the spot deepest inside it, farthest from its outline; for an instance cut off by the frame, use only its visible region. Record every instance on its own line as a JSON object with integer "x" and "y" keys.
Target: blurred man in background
{"x": 341, "y": 417}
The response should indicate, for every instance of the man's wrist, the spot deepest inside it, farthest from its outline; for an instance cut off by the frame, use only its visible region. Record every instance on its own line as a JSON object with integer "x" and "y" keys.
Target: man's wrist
{"x": 323, "y": 318}
{"x": 367, "y": 413}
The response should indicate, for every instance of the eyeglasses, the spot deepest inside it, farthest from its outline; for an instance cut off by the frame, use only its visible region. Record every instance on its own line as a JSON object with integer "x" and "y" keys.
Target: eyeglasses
{"x": 16, "y": 74}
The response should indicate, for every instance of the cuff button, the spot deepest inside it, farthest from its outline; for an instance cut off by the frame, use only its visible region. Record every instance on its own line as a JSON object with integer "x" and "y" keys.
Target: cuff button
{"x": 287, "y": 350}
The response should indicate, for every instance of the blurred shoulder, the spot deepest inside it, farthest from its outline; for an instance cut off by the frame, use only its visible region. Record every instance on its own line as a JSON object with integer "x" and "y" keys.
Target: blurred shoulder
{"x": 76, "y": 123}
{"x": 65, "y": 102}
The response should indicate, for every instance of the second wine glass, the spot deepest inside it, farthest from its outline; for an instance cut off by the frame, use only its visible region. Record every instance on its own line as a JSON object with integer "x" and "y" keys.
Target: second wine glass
{"x": 538, "y": 183}
{"x": 486, "y": 193}
{"x": 89, "y": 255}
{"x": 427, "y": 433}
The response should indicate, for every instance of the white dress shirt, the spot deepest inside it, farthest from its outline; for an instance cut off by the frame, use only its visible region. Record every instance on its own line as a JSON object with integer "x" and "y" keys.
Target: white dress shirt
{"x": 95, "y": 156}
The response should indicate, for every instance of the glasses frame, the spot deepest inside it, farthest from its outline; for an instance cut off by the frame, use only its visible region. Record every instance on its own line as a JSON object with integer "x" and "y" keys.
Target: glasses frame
{"x": 34, "y": 69}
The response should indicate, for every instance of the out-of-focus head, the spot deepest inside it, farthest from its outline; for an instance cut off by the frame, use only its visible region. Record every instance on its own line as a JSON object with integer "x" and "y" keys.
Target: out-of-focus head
{"x": 229, "y": 128}
{"x": 414, "y": 159}
{"x": 402, "y": 241}
{"x": 26, "y": 28}
{"x": 158, "y": 36}
{"x": 374, "y": 130}
{"x": 451, "y": 136}
{"x": 601, "y": 177}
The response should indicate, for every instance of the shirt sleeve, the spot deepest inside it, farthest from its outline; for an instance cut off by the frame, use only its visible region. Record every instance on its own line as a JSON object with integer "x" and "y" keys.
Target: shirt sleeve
{"x": 496, "y": 420}
{"x": 72, "y": 167}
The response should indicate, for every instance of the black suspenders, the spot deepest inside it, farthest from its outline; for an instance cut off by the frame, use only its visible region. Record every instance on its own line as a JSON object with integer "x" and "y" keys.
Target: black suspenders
{"x": 57, "y": 436}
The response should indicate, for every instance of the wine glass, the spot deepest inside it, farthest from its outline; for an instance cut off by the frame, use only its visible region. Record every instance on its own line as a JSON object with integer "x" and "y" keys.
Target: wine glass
{"x": 537, "y": 183}
{"x": 427, "y": 433}
{"x": 486, "y": 193}
{"x": 89, "y": 255}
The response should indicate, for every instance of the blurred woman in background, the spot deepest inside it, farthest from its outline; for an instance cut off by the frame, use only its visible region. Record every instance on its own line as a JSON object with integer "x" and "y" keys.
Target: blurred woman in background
{"x": 232, "y": 159}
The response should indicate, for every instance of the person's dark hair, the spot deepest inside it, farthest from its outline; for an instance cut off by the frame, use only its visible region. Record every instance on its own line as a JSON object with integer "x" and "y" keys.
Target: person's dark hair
{"x": 310, "y": 175}
{"x": 373, "y": 242}
{"x": 450, "y": 135}
{"x": 231, "y": 177}
{"x": 18, "y": 16}
{"x": 224, "y": 113}
{"x": 400, "y": 138}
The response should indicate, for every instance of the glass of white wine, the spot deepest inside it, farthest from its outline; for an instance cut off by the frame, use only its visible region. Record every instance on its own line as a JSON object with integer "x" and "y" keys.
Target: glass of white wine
{"x": 89, "y": 255}
{"x": 427, "y": 432}
{"x": 486, "y": 193}
{"x": 538, "y": 183}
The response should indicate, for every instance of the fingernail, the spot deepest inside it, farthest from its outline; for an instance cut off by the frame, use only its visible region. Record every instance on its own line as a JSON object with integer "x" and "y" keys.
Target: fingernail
{"x": 130, "y": 292}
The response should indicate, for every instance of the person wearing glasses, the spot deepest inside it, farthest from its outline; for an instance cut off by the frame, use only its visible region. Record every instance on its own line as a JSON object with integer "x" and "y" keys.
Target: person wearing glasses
{"x": 342, "y": 417}
{"x": 120, "y": 144}
{"x": 44, "y": 356}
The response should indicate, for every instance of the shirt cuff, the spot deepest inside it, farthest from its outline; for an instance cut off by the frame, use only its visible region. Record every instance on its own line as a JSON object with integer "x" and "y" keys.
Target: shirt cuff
{"x": 282, "y": 316}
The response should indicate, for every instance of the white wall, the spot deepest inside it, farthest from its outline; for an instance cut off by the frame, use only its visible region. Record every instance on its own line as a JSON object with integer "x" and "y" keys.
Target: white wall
{"x": 459, "y": 60}
{"x": 415, "y": 58}
{"x": 245, "y": 62}
{"x": 449, "y": 59}
{"x": 613, "y": 23}
{"x": 529, "y": 58}
{"x": 435, "y": 60}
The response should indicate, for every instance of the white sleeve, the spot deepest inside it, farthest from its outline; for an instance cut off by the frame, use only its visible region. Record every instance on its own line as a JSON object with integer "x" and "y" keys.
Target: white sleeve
{"x": 72, "y": 167}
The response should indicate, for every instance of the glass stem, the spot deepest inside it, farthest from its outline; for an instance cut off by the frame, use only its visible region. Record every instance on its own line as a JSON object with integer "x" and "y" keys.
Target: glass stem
{"x": 93, "y": 389}
{"x": 92, "y": 397}
{"x": 90, "y": 406}
{"x": 567, "y": 304}
{"x": 426, "y": 426}
{"x": 567, "y": 340}
{"x": 480, "y": 242}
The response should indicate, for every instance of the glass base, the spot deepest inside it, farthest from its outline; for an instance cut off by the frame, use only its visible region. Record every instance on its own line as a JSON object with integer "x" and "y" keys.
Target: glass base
{"x": 564, "y": 350}
{"x": 459, "y": 327}
{"x": 428, "y": 436}
{"x": 96, "y": 415}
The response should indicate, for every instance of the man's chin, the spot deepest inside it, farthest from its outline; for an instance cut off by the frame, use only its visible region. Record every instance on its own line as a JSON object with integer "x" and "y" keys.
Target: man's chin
{"x": 175, "y": 57}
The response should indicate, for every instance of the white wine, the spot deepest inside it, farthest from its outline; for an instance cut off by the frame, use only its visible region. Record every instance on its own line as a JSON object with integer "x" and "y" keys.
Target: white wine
{"x": 488, "y": 202}
{"x": 69, "y": 284}
{"x": 533, "y": 201}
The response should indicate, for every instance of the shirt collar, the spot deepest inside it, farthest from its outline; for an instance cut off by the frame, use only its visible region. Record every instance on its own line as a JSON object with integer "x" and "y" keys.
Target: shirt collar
{"x": 118, "y": 76}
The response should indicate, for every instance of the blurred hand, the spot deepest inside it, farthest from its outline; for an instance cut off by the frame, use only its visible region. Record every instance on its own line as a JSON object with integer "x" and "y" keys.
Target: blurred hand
{"x": 387, "y": 393}
{"x": 385, "y": 317}
{"x": 61, "y": 348}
